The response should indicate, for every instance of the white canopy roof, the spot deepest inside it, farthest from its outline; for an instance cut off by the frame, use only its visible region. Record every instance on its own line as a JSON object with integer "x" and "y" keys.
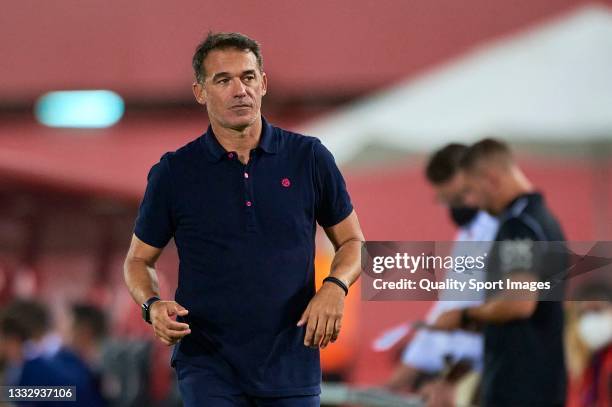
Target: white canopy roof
{"x": 549, "y": 83}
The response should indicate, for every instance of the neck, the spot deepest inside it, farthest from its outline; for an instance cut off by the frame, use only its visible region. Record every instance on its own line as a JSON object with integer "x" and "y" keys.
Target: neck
{"x": 241, "y": 140}
{"x": 515, "y": 185}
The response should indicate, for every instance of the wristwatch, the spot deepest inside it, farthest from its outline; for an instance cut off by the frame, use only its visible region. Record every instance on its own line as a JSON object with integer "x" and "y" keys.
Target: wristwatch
{"x": 146, "y": 306}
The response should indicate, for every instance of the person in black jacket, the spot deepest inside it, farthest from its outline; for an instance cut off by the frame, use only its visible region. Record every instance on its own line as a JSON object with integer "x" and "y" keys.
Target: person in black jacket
{"x": 523, "y": 329}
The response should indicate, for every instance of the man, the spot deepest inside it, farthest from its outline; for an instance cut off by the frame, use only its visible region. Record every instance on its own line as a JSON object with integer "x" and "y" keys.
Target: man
{"x": 427, "y": 353}
{"x": 28, "y": 342}
{"x": 82, "y": 354}
{"x": 88, "y": 331}
{"x": 242, "y": 203}
{"x": 523, "y": 357}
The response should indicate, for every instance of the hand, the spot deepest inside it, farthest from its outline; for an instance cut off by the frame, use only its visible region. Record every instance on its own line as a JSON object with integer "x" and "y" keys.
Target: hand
{"x": 437, "y": 393}
{"x": 323, "y": 316}
{"x": 447, "y": 321}
{"x": 165, "y": 327}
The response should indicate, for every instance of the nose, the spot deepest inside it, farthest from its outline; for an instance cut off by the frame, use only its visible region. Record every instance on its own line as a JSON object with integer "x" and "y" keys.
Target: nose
{"x": 238, "y": 89}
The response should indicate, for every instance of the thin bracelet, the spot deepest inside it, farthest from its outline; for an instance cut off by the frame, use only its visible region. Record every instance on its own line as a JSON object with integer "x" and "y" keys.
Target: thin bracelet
{"x": 338, "y": 282}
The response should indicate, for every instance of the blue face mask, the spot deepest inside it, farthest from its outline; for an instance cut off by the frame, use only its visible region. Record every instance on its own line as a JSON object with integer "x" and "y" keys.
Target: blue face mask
{"x": 461, "y": 216}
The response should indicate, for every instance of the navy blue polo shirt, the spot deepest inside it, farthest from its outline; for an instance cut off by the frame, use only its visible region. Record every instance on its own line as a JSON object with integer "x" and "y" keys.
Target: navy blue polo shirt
{"x": 245, "y": 236}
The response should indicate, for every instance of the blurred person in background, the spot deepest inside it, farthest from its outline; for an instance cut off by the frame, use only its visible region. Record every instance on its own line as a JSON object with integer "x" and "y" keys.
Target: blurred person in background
{"x": 29, "y": 344}
{"x": 14, "y": 333}
{"x": 35, "y": 356}
{"x": 29, "y": 347}
{"x": 589, "y": 345}
{"x": 82, "y": 354}
{"x": 242, "y": 202}
{"x": 88, "y": 332}
{"x": 434, "y": 354}
{"x": 524, "y": 361}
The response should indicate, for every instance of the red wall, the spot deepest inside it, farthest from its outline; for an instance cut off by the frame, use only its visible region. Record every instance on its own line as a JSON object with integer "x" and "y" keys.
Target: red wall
{"x": 143, "y": 48}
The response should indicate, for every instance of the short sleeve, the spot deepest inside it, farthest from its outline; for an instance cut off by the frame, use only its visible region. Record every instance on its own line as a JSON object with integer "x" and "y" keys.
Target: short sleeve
{"x": 333, "y": 203}
{"x": 518, "y": 249}
{"x": 154, "y": 224}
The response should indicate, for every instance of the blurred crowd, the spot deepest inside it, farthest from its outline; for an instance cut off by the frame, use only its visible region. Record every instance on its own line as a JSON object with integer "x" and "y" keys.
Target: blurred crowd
{"x": 106, "y": 371}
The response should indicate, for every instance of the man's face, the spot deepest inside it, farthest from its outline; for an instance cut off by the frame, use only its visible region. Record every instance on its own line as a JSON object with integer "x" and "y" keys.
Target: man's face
{"x": 452, "y": 192}
{"x": 233, "y": 88}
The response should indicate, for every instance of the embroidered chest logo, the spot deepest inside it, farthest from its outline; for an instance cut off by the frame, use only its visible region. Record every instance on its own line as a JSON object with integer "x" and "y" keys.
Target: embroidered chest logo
{"x": 285, "y": 182}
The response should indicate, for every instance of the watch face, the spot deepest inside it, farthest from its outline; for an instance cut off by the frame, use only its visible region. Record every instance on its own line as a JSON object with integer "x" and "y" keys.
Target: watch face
{"x": 144, "y": 312}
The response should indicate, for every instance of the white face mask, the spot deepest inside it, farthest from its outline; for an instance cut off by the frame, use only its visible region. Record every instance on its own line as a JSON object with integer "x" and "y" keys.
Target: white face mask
{"x": 595, "y": 329}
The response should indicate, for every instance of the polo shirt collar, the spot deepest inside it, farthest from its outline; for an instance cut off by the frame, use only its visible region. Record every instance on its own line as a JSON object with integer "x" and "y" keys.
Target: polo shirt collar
{"x": 267, "y": 142}
{"x": 215, "y": 151}
{"x": 518, "y": 205}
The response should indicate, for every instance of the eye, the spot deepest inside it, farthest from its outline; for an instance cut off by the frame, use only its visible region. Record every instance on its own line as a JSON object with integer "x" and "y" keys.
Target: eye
{"x": 223, "y": 81}
{"x": 249, "y": 77}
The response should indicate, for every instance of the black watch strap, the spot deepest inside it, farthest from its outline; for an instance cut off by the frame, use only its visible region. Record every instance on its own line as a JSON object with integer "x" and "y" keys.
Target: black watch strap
{"x": 338, "y": 282}
{"x": 146, "y": 306}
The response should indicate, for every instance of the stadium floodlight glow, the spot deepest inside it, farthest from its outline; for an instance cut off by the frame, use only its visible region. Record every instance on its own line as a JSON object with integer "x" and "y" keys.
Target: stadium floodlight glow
{"x": 79, "y": 108}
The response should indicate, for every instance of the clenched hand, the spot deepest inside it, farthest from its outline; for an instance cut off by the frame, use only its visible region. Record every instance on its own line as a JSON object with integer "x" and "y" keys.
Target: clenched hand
{"x": 323, "y": 316}
{"x": 162, "y": 314}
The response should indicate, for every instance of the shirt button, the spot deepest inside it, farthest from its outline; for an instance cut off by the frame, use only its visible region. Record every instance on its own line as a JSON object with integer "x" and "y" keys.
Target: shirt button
{"x": 246, "y": 175}
{"x": 249, "y": 203}
{"x": 230, "y": 155}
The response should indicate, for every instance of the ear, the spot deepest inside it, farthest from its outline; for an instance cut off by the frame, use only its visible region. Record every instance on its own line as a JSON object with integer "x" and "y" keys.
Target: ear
{"x": 199, "y": 93}
{"x": 264, "y": 83}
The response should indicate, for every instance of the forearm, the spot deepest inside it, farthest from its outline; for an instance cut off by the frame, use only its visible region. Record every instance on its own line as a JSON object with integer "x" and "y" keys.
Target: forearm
{"x": 141, "y": 280}
{"x": 508, "y": 305}
{"x": 346, "y": 265}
